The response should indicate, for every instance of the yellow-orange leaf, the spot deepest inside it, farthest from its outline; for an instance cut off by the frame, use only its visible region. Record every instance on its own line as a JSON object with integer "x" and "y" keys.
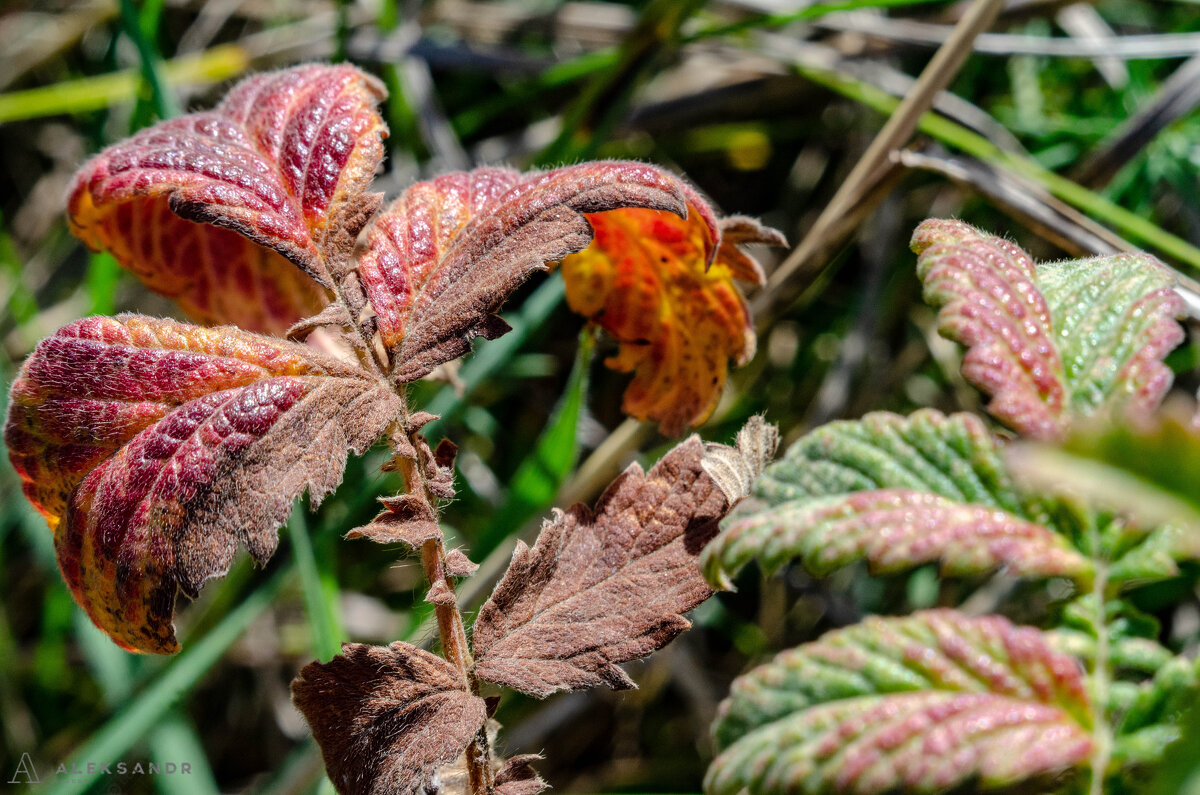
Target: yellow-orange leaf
{"x": 647, "y": 280}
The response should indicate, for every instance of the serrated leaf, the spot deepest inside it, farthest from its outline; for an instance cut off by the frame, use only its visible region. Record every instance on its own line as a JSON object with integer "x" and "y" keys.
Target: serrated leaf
{"x": 387, "y": 718}
{"x": 277, "y": 172}
{"x": 953, "y": 456}
{"x": 1053, "y": 342}
{"x": 922, "y": 703}
{"x": 446, "y": 254}
{"x": 893, "y": 530}
{"x": 664, "y": 287}
{"x": 896, "y": 492}
{"x": 153, "y": 448}
{"x": 602, "y": 587}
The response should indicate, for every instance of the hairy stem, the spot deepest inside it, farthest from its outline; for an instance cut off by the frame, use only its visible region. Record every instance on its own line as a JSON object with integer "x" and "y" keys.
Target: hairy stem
{"x": 451, "y": 630}
{"x": 1102, "y": 732}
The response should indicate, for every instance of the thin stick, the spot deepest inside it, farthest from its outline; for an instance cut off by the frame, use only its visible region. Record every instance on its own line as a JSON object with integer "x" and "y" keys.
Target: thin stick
{"x": 789, "y": 280}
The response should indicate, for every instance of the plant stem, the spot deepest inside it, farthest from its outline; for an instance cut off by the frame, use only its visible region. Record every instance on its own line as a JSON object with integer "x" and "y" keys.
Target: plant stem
{"x": 451, "y": 629}
{"x": 1101, "y": 732}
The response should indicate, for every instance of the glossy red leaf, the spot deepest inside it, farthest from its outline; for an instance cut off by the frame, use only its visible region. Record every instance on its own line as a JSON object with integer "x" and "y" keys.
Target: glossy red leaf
{"x": 155, "y": 447}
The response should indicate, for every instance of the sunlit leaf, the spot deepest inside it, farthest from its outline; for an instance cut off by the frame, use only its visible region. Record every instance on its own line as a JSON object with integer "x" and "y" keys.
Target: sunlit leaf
{"x": 155, "y": 447}
{"x": 445, "y": 255}
{"x": 923, "y": 703}
{"x": 604, "y": 586}
{"x": 664, "y": 287}
{"x": 1053, "y": 342}
{"x": 387, "y": 718}
{"x": 893, "y": 530}
{"x": 209, "y": 208}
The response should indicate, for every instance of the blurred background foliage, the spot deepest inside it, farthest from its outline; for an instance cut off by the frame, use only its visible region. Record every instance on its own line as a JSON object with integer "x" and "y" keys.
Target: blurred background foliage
{"x": 1072, "y": 128}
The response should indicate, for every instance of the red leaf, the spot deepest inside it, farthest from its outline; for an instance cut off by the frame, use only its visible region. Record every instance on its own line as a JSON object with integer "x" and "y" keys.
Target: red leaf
{"x": 603, "y": 587}
{"x": 387, "y": 718}
{"x": 444, "y": 257}
{"x": 284, "y": 162}
{"x": 154, "y": 447}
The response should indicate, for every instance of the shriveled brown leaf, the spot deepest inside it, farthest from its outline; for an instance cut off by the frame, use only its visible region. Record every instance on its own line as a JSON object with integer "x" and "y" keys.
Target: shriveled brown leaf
{"x": 387, "y": 718}
{"x": 603, "y": 587}
{"x": 517, "y": 777}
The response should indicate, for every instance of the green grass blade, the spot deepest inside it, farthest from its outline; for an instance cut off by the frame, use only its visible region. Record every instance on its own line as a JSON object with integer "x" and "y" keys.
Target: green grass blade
{"x": 322, "y": 613}
{"x": 131, "y": 724}
{"x": 540, "y": 475}
{"x": 95, "y": 93}
{"x": 948, "y": 132}
{"x": 175, "y": 740}
{"x": 492, "y": 356}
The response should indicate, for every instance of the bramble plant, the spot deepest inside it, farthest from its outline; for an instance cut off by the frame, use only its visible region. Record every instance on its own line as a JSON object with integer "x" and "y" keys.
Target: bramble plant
{"x": 155, "y": 448}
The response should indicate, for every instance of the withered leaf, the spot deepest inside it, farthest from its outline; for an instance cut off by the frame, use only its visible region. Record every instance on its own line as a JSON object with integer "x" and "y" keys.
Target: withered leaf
{"x": 407, "y": 519}
{"x": 517, "y": 777}
{"x": 446, "y": 254}
{"x": 387, "y": 718}
{"x": 603, "y": 587}
{"x": 154, "y": 447}
{"x": 277, "y": 172}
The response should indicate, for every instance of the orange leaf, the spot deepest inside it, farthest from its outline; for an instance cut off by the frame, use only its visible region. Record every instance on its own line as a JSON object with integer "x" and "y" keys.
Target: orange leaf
{"x": 647, "y": 281}
{"x": 277, "y": 172}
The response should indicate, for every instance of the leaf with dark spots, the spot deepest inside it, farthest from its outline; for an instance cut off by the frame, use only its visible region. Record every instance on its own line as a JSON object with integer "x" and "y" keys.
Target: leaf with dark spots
{"x": 665, "y": 288}
{"x": 153, "y": 448}
{"x": 209, "y": 208}
{"x": 445, "y": 255}
{"x": 387, "y": 718}
{"x": 603, "y": 587}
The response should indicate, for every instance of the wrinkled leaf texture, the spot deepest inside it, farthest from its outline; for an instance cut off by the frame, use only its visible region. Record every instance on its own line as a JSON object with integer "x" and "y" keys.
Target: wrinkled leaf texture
{"x": 155, "y": 447}
{"x": 277, "y": 173}
{"x": 1055, "y": 341}
{"x": 922, "y": 703}
{"x": 387, "y": 718}
{"x": 665, "y": 288}
{"x": 896, "y": 492}
{"x": 605, "y": 586}
{"x": 444, "y": 256}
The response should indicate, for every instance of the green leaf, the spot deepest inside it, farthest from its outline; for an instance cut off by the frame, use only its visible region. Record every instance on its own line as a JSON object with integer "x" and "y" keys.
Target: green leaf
{"x": 953, "y": 456}
{"x": 896, "y": 492}
{"x": 921, "y": 703}
{"x": 1054, "y": 342}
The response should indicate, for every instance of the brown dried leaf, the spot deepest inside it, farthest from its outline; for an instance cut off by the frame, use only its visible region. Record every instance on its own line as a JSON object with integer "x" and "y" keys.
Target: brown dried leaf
{"x": 407, "y": 520}
{"x": 603, "y": 587}
{"x": 386, "y": 718}
{"x": 517, "y": 777}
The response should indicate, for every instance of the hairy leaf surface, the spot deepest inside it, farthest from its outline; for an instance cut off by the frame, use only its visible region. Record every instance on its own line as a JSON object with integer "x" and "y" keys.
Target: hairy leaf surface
{"x": 1055, "y": 341}
{"x": 922, "y": 703}
{"x": 277, "y": 172}
{"x": 387, "y": 718}
{"x": 664, "y": 287}
{"x": 446, "y": 254}
{"x": 154, "y": 447}
{"x": 896, "y": 492}
{"x": 604, "y": 586}
{"x": 893, "y": 530}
